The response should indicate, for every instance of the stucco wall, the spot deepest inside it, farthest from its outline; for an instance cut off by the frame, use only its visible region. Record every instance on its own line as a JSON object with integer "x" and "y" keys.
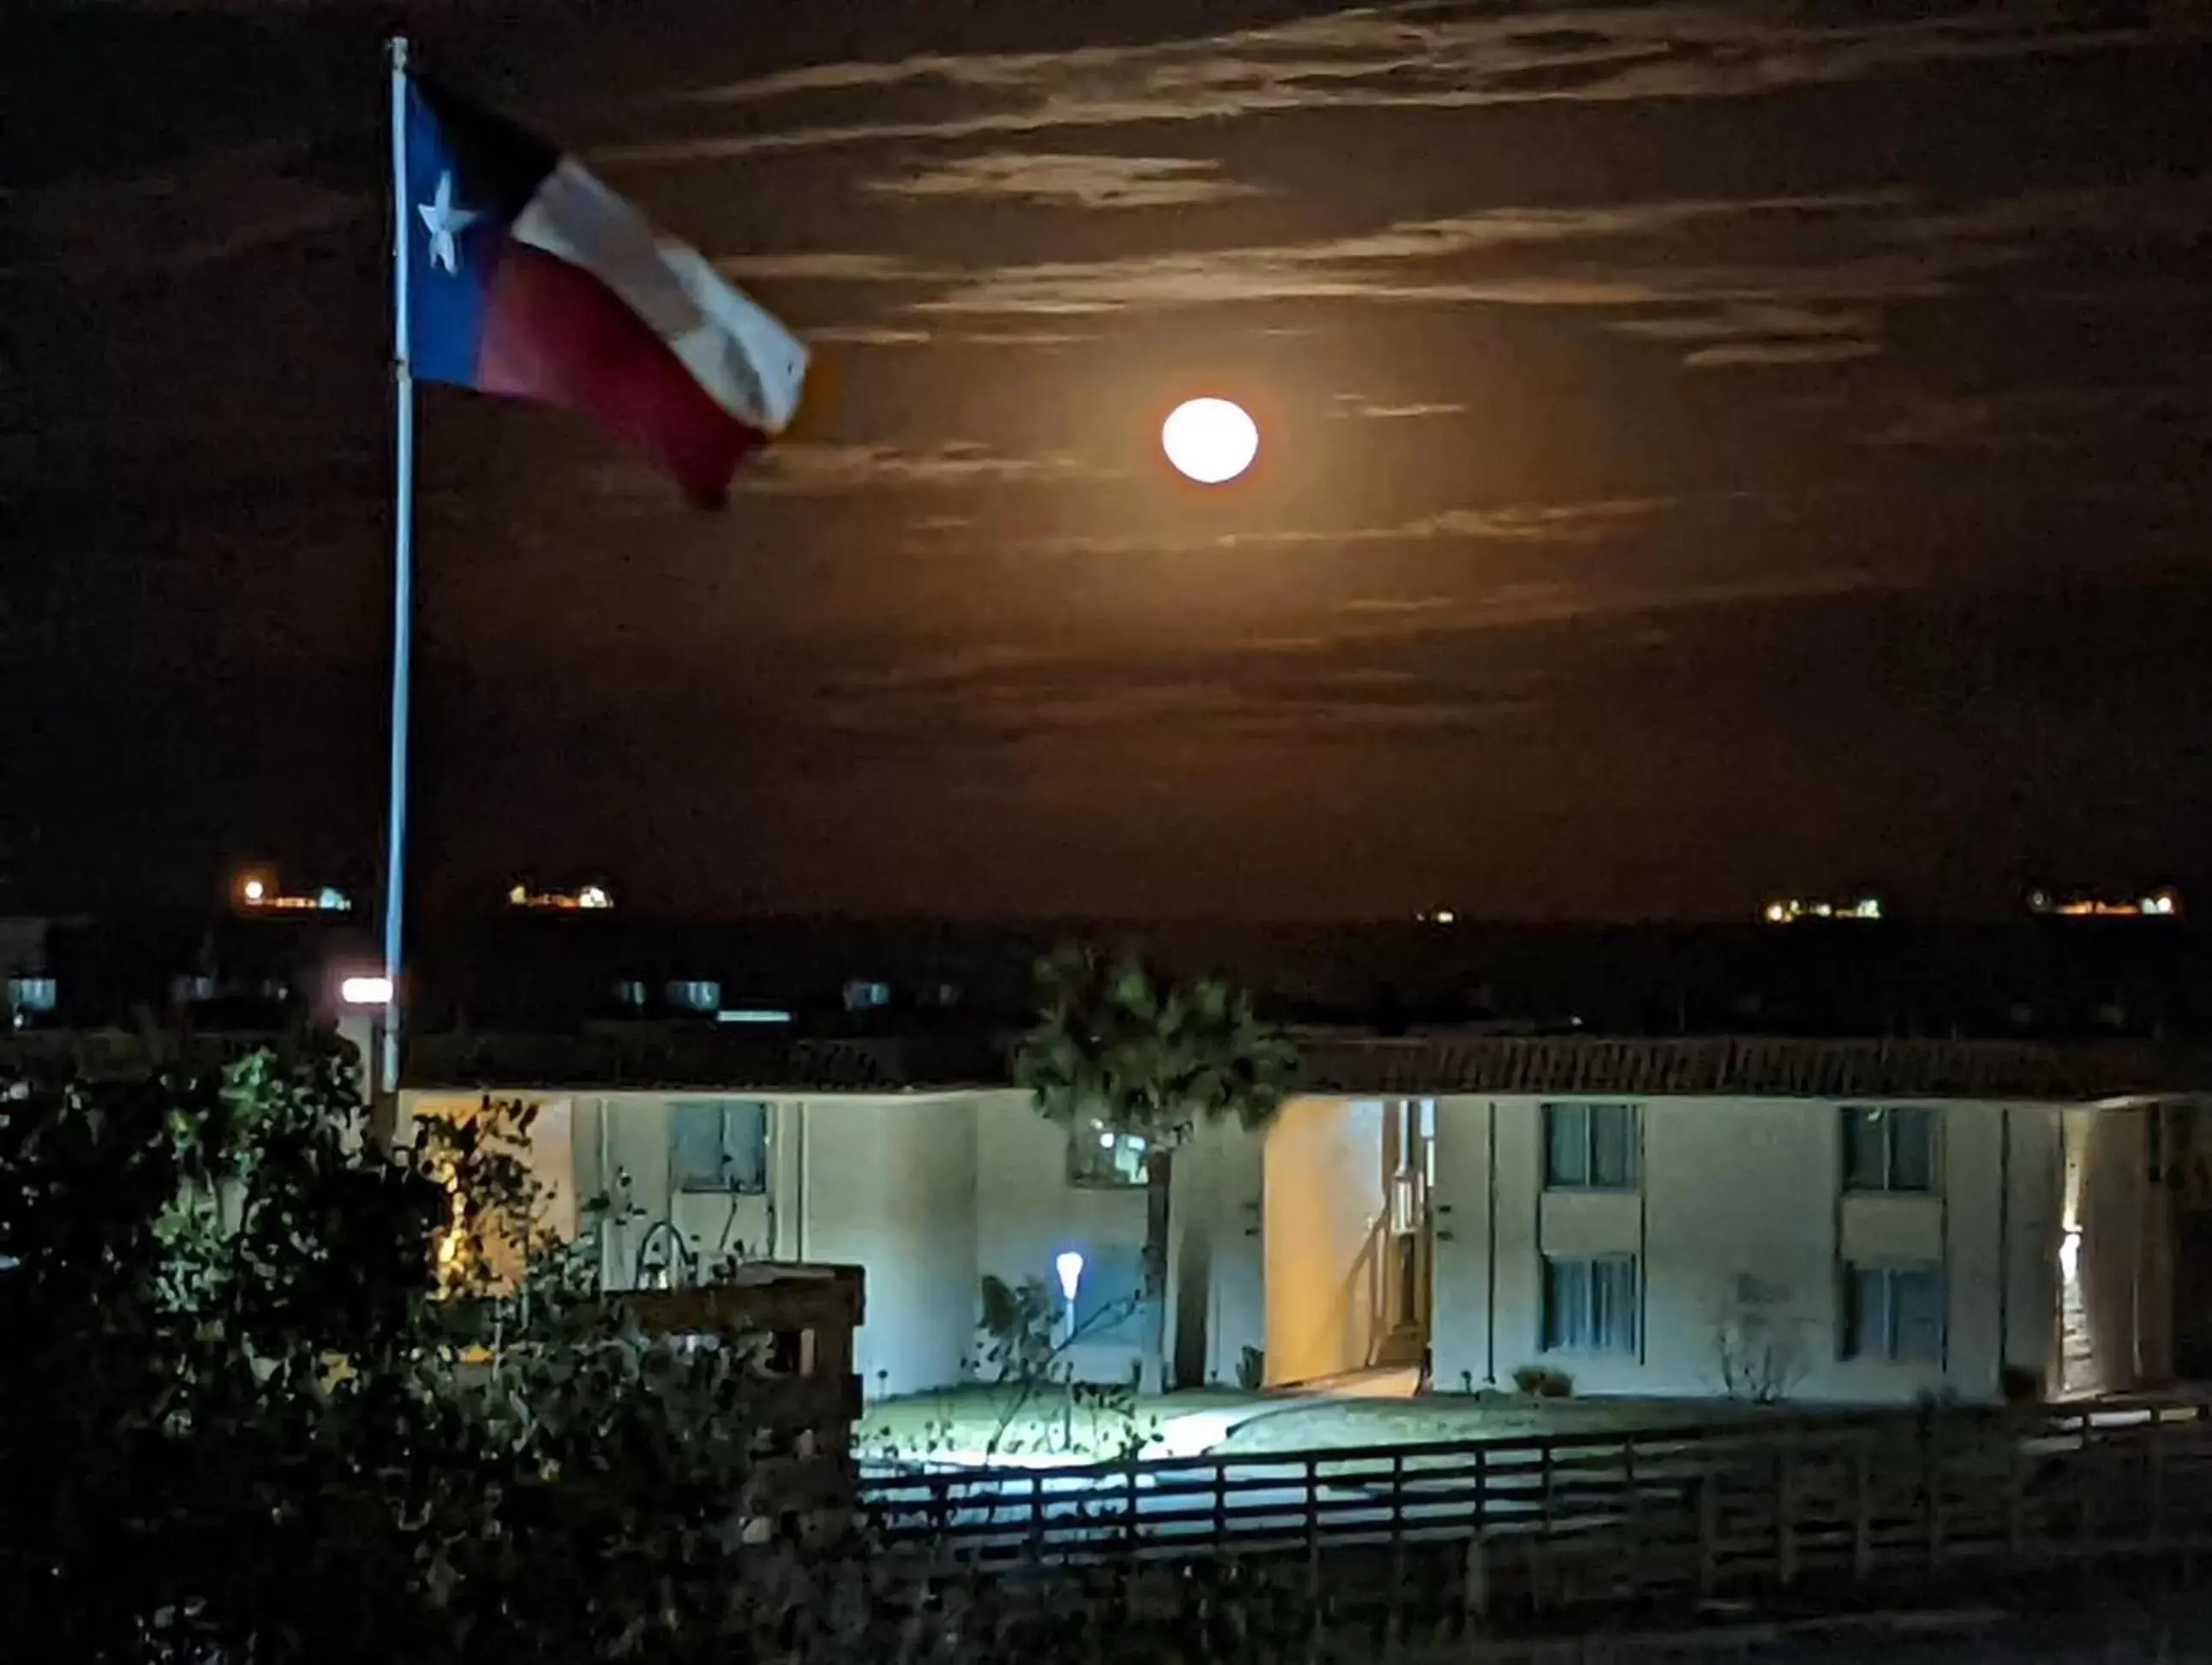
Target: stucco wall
{"x": 2125, "y": 1267}
{"x": 1216, "y": 1226}
{"x": 1026, "y": 1213}
{"x": 1733, "y": 1188}
{"x": 1324, "y": 1197}
{"x": 888, "y": 1184}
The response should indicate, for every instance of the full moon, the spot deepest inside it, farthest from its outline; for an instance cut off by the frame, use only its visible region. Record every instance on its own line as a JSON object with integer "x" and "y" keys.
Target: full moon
{"x": 1210, "y": 440}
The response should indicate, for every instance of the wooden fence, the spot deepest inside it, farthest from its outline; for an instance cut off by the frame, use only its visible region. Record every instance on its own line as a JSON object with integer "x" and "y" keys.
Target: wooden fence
{"x": 1742, "y": 1508}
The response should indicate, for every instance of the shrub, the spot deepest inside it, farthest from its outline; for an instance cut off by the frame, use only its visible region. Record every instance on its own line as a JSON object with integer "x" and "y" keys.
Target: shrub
{"x": 1543, "y": 1382}
{"x": 2021, "y": 1386}
{"x": 1252, "y": 1370}
{"x": 283, "y": 1396}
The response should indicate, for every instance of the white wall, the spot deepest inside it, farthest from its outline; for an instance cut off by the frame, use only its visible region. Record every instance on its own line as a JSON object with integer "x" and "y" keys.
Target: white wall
{"x": 1216, "y": 1227}
{"x": 2125, "y": 1265}
{"x": 927, "y": 1194}
{"x": 1026, "y": 1213}
{"x": 1734, "y": 1187}
{"x": 1324, "y": 1197}
{"x": 888, "y": 1185}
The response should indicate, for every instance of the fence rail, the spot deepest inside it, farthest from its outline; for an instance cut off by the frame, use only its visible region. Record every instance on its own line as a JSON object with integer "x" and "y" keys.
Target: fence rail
{"x": 1725, "y": 1509}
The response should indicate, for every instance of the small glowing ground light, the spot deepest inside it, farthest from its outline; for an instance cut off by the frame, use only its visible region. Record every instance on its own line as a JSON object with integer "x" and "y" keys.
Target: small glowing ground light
{"x": 1211, "y": 441}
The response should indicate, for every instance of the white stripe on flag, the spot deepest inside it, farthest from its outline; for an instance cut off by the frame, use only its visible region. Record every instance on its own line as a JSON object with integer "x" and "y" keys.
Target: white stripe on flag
{"x": 748, "y": 362}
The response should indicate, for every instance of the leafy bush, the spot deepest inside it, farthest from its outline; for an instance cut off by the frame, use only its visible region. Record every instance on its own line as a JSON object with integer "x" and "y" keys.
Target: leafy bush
{"x": 1019, "y": 1322}
{"x": 277, "y": 1395}
{"x": 1542, "y": 1381}
{"x": 280, "y": 1395}
{"x": 1252, "y": 1370}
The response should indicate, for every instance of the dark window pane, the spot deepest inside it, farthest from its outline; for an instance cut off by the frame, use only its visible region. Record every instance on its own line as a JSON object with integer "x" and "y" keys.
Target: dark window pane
{"x": 1613, "y": 1315}
{"x": 1865, "y": 1165}
{"x": 1917, "y": 1301}
{"x": 1866, "y": 1304}
{"x": 1566, "y": 1144}
{"x": 1912, "y": 1150}
{"x": 745, "y": 1145}
{"x": 1612, "y": 1146}
{"x": 694, "y": 1145}
{"x": 1566, "y": 1304}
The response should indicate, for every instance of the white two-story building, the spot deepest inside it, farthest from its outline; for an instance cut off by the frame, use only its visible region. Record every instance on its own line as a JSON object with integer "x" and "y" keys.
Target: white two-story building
{"x": 1819, "y": 1220}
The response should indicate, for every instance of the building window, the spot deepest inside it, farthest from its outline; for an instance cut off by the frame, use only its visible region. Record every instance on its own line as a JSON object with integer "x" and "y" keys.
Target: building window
{"x": 31, "y": 994}
{"x": 1591, "y": 1146}
{"x": 1099, "y": 1156}
{"x": 1109, "y": 1299}
{"x": 866, "y": 995}
{"x": 1894, "y": 1313}
{"x": 1889, "y": 1150}
{"x": 694, "y": 995}
{"x": 1589, "y": 1306}
{"x": 630, "y": 993}
{"x": 718, "y": 1145}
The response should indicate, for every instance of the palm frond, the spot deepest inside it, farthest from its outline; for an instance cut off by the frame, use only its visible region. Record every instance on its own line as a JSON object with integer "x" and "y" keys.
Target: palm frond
{"x": 1116, "y": 1044}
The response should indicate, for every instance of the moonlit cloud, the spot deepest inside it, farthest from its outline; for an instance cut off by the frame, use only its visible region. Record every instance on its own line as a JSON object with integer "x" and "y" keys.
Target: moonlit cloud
{"x": 1585, "y": 522}
{"x": 1745, "y": 353}
{"x": 214, "y": 211}
{"x": 1076, "y": 181}
{"x": 868, "y": 335}
{"x": 2045, "y": 419}
{"x": 1598, "y": 258}
{"x": 824, "y": 266}
{"x": 798, "y": 466}
{"x": 1353, "y": 407}
{"x": 1399, "y": 605}
{"x": 1406, "y": 56}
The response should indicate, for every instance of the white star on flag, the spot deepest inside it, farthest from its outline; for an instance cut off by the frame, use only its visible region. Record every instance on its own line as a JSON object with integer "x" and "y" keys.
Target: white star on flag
{"x": 446, "y": 220}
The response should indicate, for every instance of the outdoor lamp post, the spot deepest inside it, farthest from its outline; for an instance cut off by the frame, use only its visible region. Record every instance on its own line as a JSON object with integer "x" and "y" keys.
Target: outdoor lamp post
{"x": 1068, "y": 1264}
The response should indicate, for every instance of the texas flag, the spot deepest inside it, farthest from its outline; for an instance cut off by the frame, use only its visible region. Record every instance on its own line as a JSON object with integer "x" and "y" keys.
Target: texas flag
{"x": 528, "y": 277}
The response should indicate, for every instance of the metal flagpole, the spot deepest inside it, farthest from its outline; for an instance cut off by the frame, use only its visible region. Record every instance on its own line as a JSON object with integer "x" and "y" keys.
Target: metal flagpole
{"x": 403, "y": 554}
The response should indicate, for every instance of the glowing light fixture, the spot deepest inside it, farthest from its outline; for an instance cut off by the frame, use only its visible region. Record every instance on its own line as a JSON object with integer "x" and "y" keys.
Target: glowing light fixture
{"x": 1068, "y": 1264}
{"x": 366, "y": 990}
{"x": 1211, "y": 441}
{"x": 254, "y": 890}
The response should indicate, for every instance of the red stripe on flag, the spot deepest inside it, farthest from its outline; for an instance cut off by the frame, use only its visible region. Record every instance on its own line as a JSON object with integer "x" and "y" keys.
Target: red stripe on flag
{"x": 553, "y": 332}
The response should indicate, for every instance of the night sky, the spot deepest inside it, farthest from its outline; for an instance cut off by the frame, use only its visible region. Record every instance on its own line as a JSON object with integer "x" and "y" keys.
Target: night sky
{"x": 1708, "y": 450}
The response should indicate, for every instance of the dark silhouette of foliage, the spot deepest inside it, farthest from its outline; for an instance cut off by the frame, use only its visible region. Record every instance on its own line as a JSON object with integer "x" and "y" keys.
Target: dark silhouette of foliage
{"x": 281, "y": 1394}
{"x": 1118, "y": 1048}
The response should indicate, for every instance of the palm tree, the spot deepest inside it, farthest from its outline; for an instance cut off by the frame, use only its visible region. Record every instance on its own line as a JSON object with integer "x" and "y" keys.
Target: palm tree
{"x": 1118, "y": 1050}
